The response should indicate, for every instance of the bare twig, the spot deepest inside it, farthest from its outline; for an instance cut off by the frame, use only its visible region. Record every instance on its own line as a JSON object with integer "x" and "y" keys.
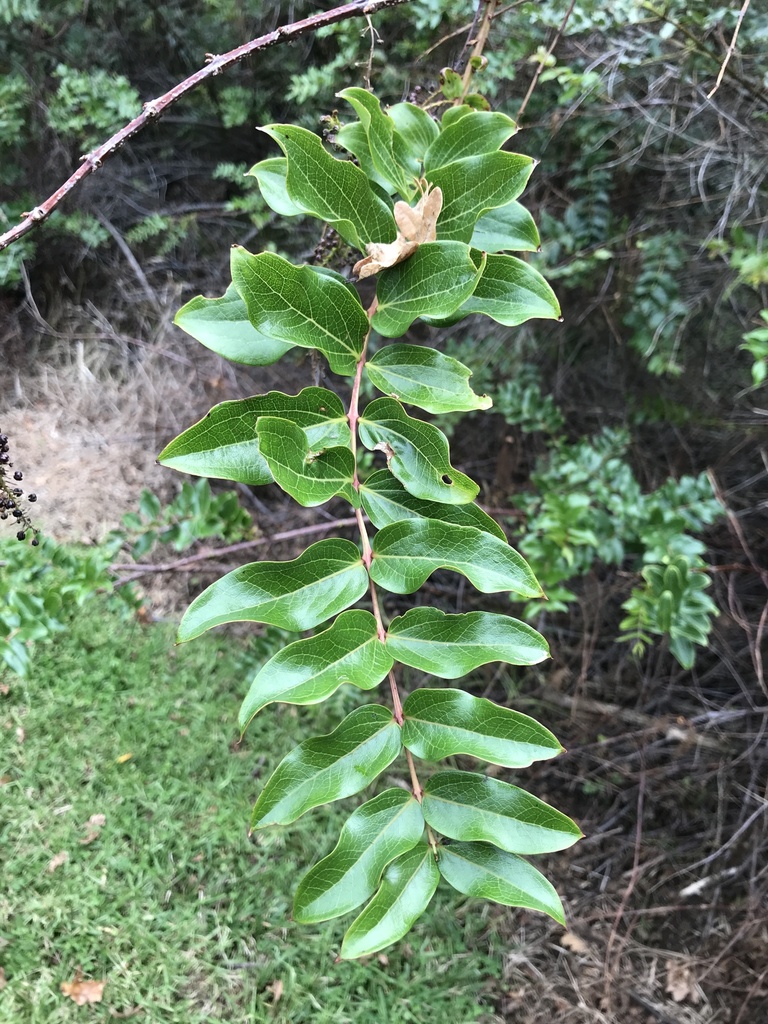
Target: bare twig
{"x": 152, "y": 110}
{"x": 479, "y": 44}
{"x": 145, "y": 569}
{"x": 543, "y": 63}
{"x": 730, "y": 51}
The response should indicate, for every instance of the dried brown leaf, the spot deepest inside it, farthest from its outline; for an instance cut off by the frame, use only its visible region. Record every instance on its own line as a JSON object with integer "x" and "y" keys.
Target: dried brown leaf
{"x": 3, "y": 981}
{"x": 57, "y": 861}
{"x": 82, "y": 992}
{"x": 681, "y": 983}
{"x": 276, "y": 988}
{"x": 574, "y": 942}
{"x": 415, "y": 225}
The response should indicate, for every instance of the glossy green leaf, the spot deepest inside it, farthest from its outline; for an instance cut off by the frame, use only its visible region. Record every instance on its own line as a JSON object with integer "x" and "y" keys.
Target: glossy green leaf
{"x": 471, "y": 136}
{"x": 415, "y": 131}
{"x": 475, "y": 185}
{"x": 353, "y": 138}
{"x": 324, "y": 580}
{"x": 451, "y": 646}
{"x": 405, "y": 554}
{"x": 374, "y": 835}
{"x": 422, "y": 376}
{"x": 310, "y": 474}
{"x": 386, "y": 501}
{"x": 308, "y": 671}
{"x": 334, "y": 190}
{"x": 225, "y": 445}
{"x": 475, "y": 808}
{"x": 417, "y": 453}
{"x": 380, "y": 130}
{"x": 453, "y": 114}
{"x": 301, "y": 306}
{"x": 271, "y": 175}
{"x": 222, "y": 325}
{"x": 508, "y": 227}
{"x": 480, "y": 870}
{"x": 434, "y": 281}
{"x": 442, "y": 723}
{"x": 511, "y": 292}
{"x": 327, "y": 768}
{"x": 408, "y": 885}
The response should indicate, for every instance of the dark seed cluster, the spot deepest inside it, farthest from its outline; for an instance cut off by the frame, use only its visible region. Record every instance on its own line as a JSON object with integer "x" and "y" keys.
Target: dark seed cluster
{"x": 12, "y": 500}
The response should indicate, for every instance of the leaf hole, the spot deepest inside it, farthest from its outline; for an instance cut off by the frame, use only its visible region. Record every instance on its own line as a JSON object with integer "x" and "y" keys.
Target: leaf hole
{"x": 447, "y": 480}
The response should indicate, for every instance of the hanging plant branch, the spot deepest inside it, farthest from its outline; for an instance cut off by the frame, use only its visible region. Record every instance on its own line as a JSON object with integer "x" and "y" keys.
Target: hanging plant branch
{"x": 425, "y": 251}
{"x": 154, "y": 109}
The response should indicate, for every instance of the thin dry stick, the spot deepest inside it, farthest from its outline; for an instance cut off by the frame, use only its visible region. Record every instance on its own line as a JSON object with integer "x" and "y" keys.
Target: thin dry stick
{"x": 543, "y": 63}
{"x": 480, "y": 41}
{"x": 145, "y": 569}
{"x": 730, "y": 51}
{"x": 152, "y": 110}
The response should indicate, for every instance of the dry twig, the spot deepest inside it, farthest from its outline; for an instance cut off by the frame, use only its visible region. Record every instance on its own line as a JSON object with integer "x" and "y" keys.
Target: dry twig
{"x": 154, "y": 109}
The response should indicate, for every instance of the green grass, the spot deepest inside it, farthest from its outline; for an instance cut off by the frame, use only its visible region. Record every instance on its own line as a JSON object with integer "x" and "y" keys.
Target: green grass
{"x": 187, "y": 919}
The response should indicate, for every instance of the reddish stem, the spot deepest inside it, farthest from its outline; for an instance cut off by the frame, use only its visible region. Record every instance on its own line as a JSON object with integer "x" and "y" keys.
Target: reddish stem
{"x": 154, "y": 109}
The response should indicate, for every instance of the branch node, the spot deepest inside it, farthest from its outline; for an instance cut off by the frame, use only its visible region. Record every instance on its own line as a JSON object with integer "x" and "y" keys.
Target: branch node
{"x": 150, "y": 108}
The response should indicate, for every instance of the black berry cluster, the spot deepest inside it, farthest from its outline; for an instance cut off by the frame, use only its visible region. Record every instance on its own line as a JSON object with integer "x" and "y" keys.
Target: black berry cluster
{"x": 12, "y": 501}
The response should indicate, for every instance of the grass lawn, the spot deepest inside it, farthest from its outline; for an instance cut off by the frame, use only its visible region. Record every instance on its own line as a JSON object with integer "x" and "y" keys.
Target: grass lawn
{"x": 186, "y": 919}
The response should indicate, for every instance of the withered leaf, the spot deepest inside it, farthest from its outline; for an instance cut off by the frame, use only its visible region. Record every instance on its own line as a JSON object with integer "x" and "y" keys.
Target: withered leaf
{"x": 57, "y": 861}
{"x": 82, "y": 992}
{"x": 415, "y": 224}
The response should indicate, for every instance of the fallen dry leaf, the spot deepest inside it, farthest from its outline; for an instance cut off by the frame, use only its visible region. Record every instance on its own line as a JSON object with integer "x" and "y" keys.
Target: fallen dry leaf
{"x": 97, "y": 820}
{"x": 681, "y": 983}
{"x": 574, "y": 942}
{"x": 82, "y": 992}
{"x": 5, "y": 779}
{"x": 5, "y": 689}
{"x": 276, "y": 988}
{"x": 94, "y": 826}
{"x": 20, "y": 735}
{"x": 123, "y": 758}
{"x": 415, "y": 225}
{"x": 3, "y": 982}
{"x": 57, "y": 861}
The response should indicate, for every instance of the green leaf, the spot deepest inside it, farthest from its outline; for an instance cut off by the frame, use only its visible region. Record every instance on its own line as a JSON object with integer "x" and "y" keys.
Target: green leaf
{"x": 453, "y": 114}
{"x": 434, "y": 281}
{"x": 374, "y": 835}
{"x": 417, "y": 453}
{"x": 308, "y": 671}
{"x": 474, "y": 808}
{"x": 325, "y": 579}
{"x": 327, "y": 768}
{"x": 301, "y": 306}
{"x": 480, "y": 870}
{"x": 405, "y": 554}
{"x": 475, "y": 185}
{"x": 334, "y": 190}
{"x": 508, "y": 227}
{"x": 424, "y": 377}
{"x": 353, "y": 138}
{"x": 442, "y": 723}
{"x": 408, "y": 885}
{"x": 379, "y": 129}
{"x": 471, "y": 136}
{"x": 511, "y": 292}
{"x": 386, "y": 501}
{"x": 451, "y": 84}
{"x": 450, "y": 646}
{"x": 222, "y": 325}
{"x": 271, "y": 175}
{"x": 415, "y": 131}
{"x": 311, "y": 477}
{"x": 224, "y": 444}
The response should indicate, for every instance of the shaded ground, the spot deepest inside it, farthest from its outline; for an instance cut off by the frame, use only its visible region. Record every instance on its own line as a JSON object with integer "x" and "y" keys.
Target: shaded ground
{"x": 665, "y": 770}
